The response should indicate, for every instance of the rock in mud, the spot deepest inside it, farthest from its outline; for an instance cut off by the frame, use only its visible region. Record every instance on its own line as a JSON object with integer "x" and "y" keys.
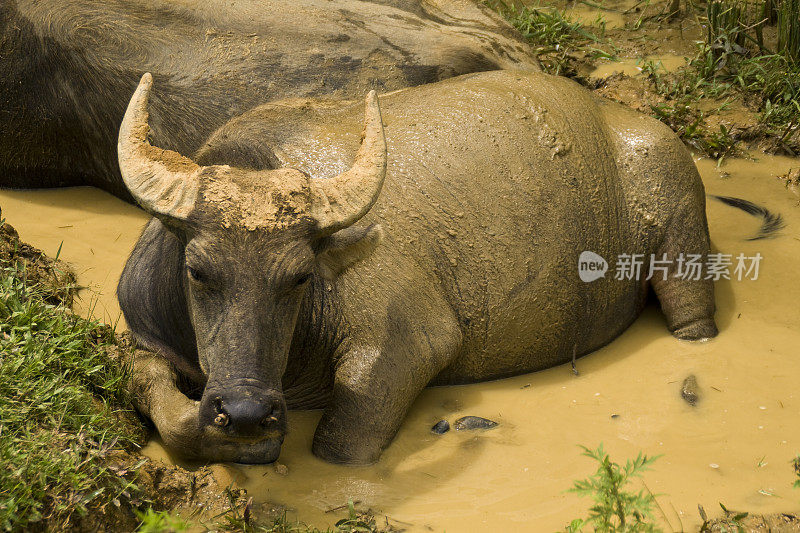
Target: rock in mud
{"x": 441, "y": 427}
{"x": 689, "y": 390}
{"x": 474, "y": 422}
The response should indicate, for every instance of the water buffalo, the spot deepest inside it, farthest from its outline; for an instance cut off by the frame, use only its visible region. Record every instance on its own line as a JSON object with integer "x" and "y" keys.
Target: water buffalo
{"x": 339, "y": 277}
{"x": 69, "y": 67}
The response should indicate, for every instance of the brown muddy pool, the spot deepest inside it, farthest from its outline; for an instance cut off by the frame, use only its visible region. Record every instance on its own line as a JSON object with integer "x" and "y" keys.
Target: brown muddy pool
{"x": 734, "y": 447}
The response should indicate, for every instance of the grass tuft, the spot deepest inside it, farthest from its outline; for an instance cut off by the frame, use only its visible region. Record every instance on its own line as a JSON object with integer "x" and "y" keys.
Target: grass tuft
{"x": 59, "y": 392}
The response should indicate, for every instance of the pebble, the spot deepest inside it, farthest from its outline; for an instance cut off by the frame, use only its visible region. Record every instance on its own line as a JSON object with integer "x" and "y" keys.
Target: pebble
{"x": 474, "y": 422}
{"x": 689, "y": 390}
{"x": 441, "y": 427}
{"x": 281, "y": 469}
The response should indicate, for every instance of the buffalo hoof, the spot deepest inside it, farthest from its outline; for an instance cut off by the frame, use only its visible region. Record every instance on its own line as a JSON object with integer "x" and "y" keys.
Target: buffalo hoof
{"x": 441, "y": 427}
{"x": 474, "y": 422}
{"x": 700, "y": 330}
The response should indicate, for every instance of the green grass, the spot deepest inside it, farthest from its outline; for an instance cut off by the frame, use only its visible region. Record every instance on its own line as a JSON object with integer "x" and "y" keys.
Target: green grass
{"x": 615, "y": 507}
{"x": 151, "y": 521}
{"x": 59, "y": 390}
{"x": 551, "y": 33}
{"x": 734, "y": 61}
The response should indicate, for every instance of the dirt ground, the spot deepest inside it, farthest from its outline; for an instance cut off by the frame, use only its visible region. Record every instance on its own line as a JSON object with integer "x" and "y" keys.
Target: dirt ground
{"x": 784, "y": 523}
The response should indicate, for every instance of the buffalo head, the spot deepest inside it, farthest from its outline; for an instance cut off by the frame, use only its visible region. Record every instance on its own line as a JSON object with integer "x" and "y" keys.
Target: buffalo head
{"x": 253, "y": 240}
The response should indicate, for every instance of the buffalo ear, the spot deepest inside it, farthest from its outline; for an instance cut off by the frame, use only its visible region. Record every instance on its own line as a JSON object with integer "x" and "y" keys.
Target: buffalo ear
{"x": 339, "y": 251}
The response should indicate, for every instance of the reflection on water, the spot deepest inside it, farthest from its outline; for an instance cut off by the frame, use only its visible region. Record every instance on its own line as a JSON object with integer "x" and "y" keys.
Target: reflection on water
{"x": 733, "y": 447}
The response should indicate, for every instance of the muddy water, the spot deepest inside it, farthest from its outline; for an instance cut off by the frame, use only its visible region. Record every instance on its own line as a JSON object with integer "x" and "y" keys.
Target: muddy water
{"x": 633, "y": 66}
{"x": 590, "y": 16}
{"x": 94, "y": 232}
{"x": 734, "y": 447}
{"x": 610, "y": 14}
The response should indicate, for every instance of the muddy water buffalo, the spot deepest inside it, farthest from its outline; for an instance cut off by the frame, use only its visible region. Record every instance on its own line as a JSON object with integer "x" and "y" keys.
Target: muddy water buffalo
{"x": 342, "y": 278}
{"x": 69, "y": 67}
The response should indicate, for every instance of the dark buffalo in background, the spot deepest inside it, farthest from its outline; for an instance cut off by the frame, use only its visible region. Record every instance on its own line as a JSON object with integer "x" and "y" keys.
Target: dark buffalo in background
{"x": 68, "y": 68}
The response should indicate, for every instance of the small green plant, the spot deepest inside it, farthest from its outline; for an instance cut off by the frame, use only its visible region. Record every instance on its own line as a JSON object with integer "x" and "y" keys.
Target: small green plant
{"x": 161, "y": 522}
{"x": 616, "y": 509}
{"x": 796, "y": 466}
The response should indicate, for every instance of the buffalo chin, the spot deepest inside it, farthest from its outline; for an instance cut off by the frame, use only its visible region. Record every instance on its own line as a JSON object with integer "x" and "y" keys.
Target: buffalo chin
{"x": 263, "y": 451}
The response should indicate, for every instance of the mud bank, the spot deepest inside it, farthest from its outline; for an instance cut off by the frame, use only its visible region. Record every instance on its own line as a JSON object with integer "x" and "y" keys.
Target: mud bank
{"x": 202, "y": 493}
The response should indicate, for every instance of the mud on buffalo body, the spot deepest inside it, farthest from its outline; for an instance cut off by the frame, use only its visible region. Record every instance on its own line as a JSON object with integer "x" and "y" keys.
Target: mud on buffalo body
{"x": 349, "y": 275}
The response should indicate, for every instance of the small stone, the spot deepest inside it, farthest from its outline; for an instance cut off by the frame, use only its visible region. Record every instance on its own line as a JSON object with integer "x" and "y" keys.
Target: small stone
{"x": 441, "y": 427}
{"x": 474, "y": 422}
{"x": 225, "y": 475}
{"x": 689, "y": 390}
{"x": 715, "y": 466}
{"x": 615, "y": 416}
{"x": 281, "y": 469}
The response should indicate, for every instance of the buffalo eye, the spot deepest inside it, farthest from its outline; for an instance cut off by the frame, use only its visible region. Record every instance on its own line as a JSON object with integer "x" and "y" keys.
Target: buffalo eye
{"x": 302, "y": 280}
{"x": 194, "y": 274}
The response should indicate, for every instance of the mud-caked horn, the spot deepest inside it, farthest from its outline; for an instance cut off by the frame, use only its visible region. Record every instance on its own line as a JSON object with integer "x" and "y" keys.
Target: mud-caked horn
{"x": 163, "y": 182}
{"x": 341, "y": 201}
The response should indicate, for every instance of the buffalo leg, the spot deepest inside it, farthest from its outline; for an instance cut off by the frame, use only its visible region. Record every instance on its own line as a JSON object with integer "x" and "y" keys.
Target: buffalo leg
{"x": 688, "y": 304}
{"x": 375, "y": 386}
{"x": 156, "y": 395}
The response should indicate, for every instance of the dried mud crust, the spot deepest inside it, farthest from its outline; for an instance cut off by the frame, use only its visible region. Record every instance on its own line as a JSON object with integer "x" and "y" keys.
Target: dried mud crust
{"x": 198, "y": 496}
{"x": 773, "y": 523}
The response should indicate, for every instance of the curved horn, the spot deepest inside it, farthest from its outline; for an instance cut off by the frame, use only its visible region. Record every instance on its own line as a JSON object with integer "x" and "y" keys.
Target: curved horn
{"x": 162, "y": 182}
{"x": 339, "y": 202}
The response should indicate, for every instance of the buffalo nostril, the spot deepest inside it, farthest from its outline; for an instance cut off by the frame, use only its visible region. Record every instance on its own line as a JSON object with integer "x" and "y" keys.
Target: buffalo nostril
{"x": 272, "y": 415}
{"x": 221, "y": 420}
{"x": 271, "y": 419}
{"x": 218, "y": 404}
